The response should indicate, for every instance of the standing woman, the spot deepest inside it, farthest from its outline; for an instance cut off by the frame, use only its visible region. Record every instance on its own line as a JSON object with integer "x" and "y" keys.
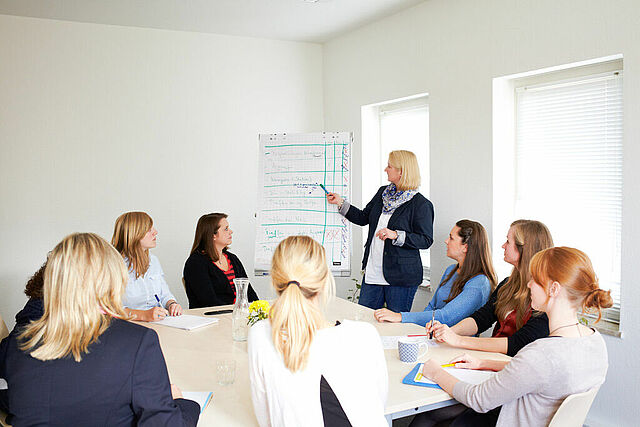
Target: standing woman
{"x": 210, "y": 269}
{"x": 303, "y": 370}
{"x": 82, "y": 363}
{"x": 510, "y": 304}
{"x": 465, "y": 285}
{"x": 147, "y": 296}
{"x": 400, "y": 221}
{"x": 572, "y": 359}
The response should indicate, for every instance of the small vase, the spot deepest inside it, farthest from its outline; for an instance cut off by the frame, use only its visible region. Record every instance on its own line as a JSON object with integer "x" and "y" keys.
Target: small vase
{"x": 240, "y": 316}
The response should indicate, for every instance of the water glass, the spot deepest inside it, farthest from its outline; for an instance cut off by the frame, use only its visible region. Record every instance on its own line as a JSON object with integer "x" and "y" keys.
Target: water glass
{"x": 226, "y": 371}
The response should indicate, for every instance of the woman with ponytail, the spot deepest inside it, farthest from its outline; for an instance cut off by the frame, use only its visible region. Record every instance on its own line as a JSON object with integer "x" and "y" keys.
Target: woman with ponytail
{"x": 572, "y": 359}
{"x": 303, "y": 370}
{"x": 509, "y": 306}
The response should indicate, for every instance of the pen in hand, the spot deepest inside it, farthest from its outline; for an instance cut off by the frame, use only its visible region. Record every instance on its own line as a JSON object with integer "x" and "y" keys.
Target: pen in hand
{"x": 158, "y": 299}
{"x": 432, "y": 320}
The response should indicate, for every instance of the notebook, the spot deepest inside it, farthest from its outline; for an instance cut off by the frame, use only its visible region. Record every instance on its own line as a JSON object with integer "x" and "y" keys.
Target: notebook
{"x": 470, "y": 376}
{"x": 201, "y": 397}
{"x": 186, "y": 321}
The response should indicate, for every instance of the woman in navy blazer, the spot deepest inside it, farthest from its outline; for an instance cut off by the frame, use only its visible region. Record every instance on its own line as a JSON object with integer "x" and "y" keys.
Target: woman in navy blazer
{"x": 80, "y": 363}
{"x": 400, "y": 221}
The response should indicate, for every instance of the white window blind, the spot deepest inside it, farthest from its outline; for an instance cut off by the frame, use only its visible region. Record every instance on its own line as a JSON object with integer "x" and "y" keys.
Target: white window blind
{"x": 569, "y": 168}
{"x": 405, "y": 126}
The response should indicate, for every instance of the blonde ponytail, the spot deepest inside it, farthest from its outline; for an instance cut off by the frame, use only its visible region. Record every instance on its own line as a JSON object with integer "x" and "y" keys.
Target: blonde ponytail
{"x": 301, "y": 278}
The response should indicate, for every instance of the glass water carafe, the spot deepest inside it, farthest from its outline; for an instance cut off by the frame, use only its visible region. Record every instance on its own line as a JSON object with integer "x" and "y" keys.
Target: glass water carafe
{"x": 240, "y": 316}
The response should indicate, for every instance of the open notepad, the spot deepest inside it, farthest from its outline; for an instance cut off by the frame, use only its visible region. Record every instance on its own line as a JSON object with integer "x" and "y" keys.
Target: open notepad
{"x": 186, "y": 321}
{"x": 470, "y": 376}
{"x": 201, "y": 397}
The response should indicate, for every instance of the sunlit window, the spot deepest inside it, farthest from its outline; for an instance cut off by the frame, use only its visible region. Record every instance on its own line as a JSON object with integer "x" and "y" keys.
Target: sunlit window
{"x": 568, "y": 167}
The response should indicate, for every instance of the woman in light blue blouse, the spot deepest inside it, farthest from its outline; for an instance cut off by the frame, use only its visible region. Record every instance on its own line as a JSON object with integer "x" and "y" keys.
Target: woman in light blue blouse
{"x": 465, "y": 286}
{"x": 147, "y": 295}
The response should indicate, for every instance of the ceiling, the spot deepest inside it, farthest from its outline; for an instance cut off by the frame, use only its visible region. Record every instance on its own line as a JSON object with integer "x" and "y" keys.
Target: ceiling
{"x": 295, "y": 20}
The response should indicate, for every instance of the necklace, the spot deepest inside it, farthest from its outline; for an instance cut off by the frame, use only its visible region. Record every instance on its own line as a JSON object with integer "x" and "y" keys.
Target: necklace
{"x": 565, "y": 326}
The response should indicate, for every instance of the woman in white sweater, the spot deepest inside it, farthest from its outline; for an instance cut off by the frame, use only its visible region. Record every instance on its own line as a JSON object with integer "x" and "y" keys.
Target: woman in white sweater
{"x": 572, "y": 359}
{"x": 303, "y": 370}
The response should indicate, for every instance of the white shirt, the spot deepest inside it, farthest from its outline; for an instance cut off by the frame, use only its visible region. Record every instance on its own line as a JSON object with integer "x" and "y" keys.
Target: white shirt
{"x": 349, "y": 356}
{"x": 373, "y": 272}
{"x": 140, "y": 293}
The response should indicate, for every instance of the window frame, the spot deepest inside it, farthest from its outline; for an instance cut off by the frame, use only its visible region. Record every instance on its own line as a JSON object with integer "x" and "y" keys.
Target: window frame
{"x": 505, "y": 91}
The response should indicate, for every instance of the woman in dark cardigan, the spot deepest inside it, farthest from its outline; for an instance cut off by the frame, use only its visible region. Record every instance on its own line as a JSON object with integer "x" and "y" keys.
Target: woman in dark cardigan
{"x": 211, "y": 268}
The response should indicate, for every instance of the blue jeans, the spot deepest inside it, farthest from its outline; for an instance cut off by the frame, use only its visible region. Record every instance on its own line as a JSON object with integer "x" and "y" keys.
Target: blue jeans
{"x": 397, "y": 298}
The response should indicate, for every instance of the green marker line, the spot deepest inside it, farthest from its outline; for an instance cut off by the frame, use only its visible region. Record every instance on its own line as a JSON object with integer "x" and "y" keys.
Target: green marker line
{"x": 302, "y": 223}
{"x": 324, "y": 181}
{"x": 271, "y": 173}
{"x": 299, "y": 145}
{"x": 294, "y": 197}
{"x": 302, "y": 185}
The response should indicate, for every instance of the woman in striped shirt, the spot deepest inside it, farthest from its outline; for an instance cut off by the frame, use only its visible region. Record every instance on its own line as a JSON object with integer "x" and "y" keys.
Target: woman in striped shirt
{"x": 211, "y": 268}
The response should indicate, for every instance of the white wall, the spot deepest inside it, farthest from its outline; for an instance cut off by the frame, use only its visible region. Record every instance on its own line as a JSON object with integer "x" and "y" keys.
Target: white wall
{"x": 96, "y": 120}
{"x": 452, "y": 49}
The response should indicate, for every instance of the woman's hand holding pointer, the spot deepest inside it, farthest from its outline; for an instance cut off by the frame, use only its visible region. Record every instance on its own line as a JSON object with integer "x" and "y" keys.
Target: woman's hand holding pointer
{"x": 334, "y": 199}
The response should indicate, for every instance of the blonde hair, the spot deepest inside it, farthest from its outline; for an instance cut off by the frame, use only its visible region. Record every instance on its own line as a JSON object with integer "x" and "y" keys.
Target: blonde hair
{"x": 83, "y": 285}
{"x": 573, "y": 270}
{"x": 130, "y": 228}
{"x": 301, "y": 278}
{"x": 530, "y": 238}
{"x": 407, "y": 162}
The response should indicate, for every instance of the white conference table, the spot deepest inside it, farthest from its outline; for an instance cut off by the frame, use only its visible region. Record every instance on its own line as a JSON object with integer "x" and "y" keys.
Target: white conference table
{"x": 191, "y": 360}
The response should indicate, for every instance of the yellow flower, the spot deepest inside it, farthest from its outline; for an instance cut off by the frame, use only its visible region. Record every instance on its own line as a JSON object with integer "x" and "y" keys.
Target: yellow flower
{"x": 260, "y": 306}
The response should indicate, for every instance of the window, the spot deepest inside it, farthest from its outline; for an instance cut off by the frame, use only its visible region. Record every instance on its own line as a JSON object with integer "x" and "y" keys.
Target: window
{"x": 567, "y": 164}
{"x": 395, "y": 125}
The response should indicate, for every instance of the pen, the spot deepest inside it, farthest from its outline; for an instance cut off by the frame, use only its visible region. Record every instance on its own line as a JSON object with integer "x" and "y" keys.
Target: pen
{"x": 417, "y": 335}
{"x": 322, "y": 186}
{"x": 448, "y": 365}
{"x": 432, "y": 319}
{"x": 158, "y": 299}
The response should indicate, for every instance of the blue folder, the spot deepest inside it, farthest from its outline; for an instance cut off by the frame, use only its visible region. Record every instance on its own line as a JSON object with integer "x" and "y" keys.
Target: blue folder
{"x": 409, "y": 379}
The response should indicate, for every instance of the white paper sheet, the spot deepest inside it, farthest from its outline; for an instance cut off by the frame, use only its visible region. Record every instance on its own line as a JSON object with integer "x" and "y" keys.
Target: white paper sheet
{"x": 291, "y": 201}
{"x": 470, "y": 376}
{"x": 391, "y": 342}
{"x": 186, "y": 321}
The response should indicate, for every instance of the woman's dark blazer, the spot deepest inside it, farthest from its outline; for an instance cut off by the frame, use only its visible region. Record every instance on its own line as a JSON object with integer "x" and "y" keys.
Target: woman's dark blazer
{"x": 32, "y": 310}
{"x": 401, "y": 265}
{"x": 207, "y": 285}
{"x": 121, "y": 381}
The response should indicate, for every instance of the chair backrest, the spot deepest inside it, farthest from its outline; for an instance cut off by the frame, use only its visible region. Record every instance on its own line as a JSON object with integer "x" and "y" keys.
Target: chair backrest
{"x": 3, "y": 328}
{"x": 574, "y": 409}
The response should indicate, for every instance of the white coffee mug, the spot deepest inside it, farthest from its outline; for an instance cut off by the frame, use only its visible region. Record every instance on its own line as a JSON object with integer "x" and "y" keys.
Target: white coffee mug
{"x": 409, "y": 349}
